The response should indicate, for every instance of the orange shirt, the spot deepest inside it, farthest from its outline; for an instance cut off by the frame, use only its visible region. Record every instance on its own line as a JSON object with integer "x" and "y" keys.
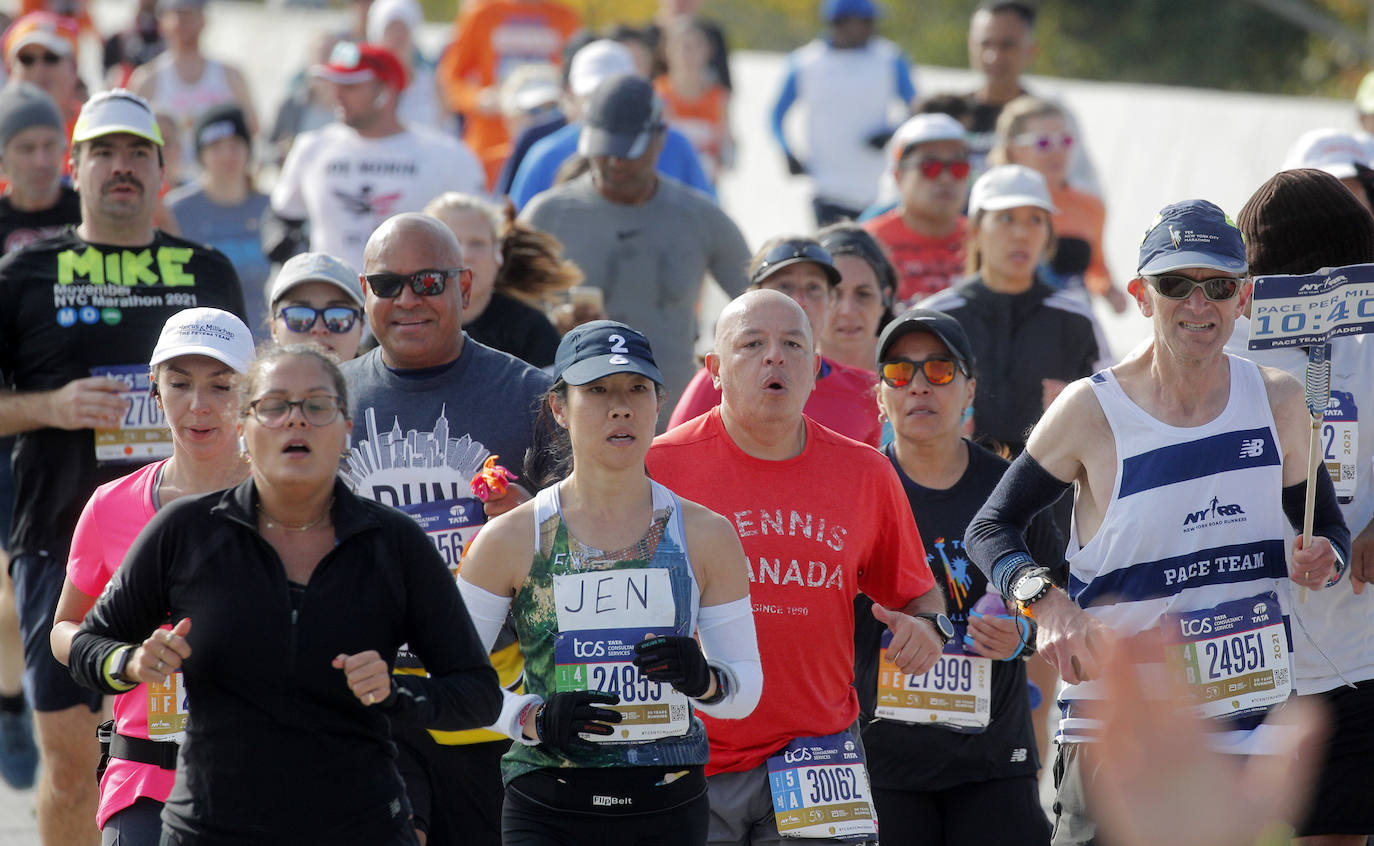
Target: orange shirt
{"x": 701, "y": 119}
{"x": 1082, "y": 215}
{"x": 492, "y": 39}
{"x": 924, "y": 264}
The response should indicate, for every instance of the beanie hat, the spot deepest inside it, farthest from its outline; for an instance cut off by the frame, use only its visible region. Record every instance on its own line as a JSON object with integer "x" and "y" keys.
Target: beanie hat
{"x": 24, "y": 106}
{"x": 1303, "y": 220}
{"x": 222, "y": 121}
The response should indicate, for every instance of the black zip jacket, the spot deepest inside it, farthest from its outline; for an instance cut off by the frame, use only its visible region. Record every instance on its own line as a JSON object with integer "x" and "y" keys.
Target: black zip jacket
{"x": 1019, "y": 339}
{"x": 278, "y": 748}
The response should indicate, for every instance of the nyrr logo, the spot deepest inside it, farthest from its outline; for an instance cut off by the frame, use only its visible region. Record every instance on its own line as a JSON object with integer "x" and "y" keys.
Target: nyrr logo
{"x": 1214, "y": 513}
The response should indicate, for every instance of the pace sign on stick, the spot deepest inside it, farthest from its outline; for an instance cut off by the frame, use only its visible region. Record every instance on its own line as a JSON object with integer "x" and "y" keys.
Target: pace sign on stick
{"x": 1308, "y": 311}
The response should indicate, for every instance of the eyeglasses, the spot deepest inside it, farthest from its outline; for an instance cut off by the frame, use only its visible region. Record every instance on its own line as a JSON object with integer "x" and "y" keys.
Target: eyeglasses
{"x": 898, "y": 372}
{"x": 426, "y": 283}
{"x": 931, "y": 168}
{"x": 273, "y": 412}
{"x": 1217, "y": 289}
{"x": 1044, "y": 141}
{"x": 302, "y": 318}
{"x": 30, "y": 59}
{"x": 789, "y": 251}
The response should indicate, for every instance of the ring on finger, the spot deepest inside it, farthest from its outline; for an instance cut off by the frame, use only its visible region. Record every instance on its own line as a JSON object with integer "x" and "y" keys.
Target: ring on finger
{"x": 372, "y": 699}
{"x": 159, "y": 665}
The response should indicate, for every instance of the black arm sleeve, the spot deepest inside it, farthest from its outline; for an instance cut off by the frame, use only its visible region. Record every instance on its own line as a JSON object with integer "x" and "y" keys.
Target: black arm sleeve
{"x": 282, "y": 237}
{"x": 132, "y": 605}
{"x": 462, "y": 690}
{"x": 1327, "y": 520}
{"x": 995, "y": 540}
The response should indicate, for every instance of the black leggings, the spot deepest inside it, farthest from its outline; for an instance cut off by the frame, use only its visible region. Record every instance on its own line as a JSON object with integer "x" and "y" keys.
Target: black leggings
{"x": 526, "y": 822}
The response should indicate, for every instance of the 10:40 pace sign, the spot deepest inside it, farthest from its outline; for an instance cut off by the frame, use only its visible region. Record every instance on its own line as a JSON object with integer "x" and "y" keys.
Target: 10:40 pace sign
{"x": 1304, "y": 311}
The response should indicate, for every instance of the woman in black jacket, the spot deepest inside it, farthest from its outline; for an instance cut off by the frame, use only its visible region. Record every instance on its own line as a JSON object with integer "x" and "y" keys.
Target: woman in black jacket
{"x": 290, "y": 598}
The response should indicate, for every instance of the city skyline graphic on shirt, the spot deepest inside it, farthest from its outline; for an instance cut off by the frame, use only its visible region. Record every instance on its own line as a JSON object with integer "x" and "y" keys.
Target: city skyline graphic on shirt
{"x": 378, "y": 451}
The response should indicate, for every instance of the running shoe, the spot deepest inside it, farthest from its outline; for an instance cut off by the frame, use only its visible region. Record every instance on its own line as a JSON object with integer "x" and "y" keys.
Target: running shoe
{"x": 18, "y": 754}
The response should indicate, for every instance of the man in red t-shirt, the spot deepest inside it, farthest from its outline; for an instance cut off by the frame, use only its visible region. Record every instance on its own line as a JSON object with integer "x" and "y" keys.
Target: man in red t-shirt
{"x": 821, "y": 518}
{"x": 925, "y": 235}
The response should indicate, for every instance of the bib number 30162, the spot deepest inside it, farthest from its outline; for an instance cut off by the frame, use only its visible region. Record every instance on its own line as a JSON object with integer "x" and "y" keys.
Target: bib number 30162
{"x": 820, "y": 789}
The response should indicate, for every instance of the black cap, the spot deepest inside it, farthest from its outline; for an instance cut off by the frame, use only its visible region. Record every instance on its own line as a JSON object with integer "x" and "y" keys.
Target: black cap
{"x": 623, "y": 113}
{"x": 221, "y": 121}
{"x": 603, "y": 348}
{"x": 787, "y": 251}
{"x": 937, "y": 323}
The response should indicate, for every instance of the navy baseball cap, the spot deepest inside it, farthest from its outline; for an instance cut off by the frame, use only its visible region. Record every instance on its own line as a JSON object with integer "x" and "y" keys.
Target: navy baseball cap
{"x": 603, "y": 348}
{"x": 623, "y": 113}
{"x": 833, "y": 10}
{"x": 938, "y": 323}
{"x": 1192, "y": 233}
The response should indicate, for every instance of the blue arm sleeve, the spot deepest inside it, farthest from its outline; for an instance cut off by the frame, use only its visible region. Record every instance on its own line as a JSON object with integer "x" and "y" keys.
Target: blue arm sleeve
{"x": 786, "y": 97}
{"x": 681, "y": 162}
{"x": 995, "y": 540}
{"x": 1327, "y": 521}
{"x": 906, "y": 89}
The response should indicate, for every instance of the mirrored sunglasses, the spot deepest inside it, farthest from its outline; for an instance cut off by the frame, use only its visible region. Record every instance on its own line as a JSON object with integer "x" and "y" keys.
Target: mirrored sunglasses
{"x": 1217, "y": 289}
{"x": 302, "y": 318}
{"x": 426, "y": 283}
{"x": 898, "y": 372}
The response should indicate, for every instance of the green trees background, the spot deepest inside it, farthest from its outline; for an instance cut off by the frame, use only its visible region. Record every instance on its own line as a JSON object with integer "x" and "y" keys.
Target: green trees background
{"x": 1229, "y": 44}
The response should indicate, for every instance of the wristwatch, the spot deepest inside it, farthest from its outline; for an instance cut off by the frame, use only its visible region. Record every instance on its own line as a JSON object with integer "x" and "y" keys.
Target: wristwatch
{"x": 943, "y": 627}
{"x": 1030, "y": 589}
{"x": 120, "y": 664}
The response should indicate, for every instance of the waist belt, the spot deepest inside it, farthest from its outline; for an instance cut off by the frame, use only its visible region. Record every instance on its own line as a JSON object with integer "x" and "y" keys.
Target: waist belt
{"x": 139, "y": 749}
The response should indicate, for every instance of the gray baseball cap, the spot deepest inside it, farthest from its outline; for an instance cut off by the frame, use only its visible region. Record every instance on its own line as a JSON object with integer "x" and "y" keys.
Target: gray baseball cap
{"x": 317, "y": 267}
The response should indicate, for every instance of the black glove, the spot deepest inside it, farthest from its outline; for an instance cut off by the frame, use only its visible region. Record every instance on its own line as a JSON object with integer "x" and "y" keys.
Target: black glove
{"x": 879, "y": 139}
{"x": 565, "y": 715}
{"x": 676, "y": 660}
{"x": 794, "y": 165}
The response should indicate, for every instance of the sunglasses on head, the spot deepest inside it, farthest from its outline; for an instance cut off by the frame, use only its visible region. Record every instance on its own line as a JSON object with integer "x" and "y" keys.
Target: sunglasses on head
{"x": 1044, "y": 141}
{"x": 302, "y": 318}
{"x": 931, "y": 168}
{"x": 426, "y": 283}
{"x": 30, "y": 59}
{"x": 898, "y": 372}
{"x": 789, "y": 250}
{"x": 1217, "y": 289}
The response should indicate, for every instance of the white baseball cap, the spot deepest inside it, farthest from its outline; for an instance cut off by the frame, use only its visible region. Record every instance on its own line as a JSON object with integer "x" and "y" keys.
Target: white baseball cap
{"x": 925, "y": 128}
{"x": 597, "y": 62}
{"x": 1332, "y": 150}
{"x": 1009, "y": 187}
{"x": 205, "y": 331}
{"x": 116, "y": 110}
{"x": 317, "y": 267}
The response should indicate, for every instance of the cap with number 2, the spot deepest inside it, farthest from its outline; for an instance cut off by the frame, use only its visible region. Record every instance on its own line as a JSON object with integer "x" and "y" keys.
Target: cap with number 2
{"x": 603, "y": 348}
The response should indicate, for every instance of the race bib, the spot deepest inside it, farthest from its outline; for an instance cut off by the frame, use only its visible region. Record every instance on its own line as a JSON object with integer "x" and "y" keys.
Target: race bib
{"x": 167, "y": 709}
{"x": 820, "y": 789}
{"x": 142, "y": 434}
{"x": 1234, "y": 656}
{"x": 601, "y": 660}
{"x": 601, "y": 616}
{"x": 1340, "y": 440}
{"x": 956, "y": 693}
{"x": 450, "y": 525}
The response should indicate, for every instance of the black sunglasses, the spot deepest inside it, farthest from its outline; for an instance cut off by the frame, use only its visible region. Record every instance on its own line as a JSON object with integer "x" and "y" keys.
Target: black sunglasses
{"x": 1217, "y": 289}
{"x": 302, "y": 318}
{"x": 426, "y": 283}
{"x": 790, "y": 251}
{"x": 30, "y": 59}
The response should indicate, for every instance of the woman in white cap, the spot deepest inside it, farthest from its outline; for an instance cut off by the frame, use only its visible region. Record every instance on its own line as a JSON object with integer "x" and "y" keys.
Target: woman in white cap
{"x": 318, "y": 299}
{"x": 301, "y": 594}
{"x": 612, "y": 683}
{"x": 195, "y": 369}
{"x": 1030, "y": 340}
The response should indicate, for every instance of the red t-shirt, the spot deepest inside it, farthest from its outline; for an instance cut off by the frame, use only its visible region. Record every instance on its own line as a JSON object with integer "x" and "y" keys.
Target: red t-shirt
{"x": 844, "y": 400}
{"x": 817, "y": 529}
{"x": 924, "y": 264}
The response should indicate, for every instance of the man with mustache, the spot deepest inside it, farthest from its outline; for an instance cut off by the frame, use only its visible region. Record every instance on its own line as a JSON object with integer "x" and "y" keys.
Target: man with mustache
{"x": 83, "y": 311}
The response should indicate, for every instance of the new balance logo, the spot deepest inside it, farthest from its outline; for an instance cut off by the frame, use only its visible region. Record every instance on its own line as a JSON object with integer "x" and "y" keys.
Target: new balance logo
{"x": 1018, "y": 755}
{"x": 1252, "y": 448}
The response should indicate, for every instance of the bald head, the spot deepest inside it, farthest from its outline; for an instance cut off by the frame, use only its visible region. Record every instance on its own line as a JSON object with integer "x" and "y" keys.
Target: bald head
{"x": 408, "y": 232}
{"x": 751, "y": 307}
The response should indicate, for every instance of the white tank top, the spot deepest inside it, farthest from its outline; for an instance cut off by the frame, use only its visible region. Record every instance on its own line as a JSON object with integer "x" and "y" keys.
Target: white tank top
{"x": 1194, "y": 524}
{"x": 186, "y": 101}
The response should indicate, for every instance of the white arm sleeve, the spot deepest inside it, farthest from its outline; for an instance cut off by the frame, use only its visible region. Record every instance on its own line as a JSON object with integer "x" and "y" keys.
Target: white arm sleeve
{"x": 488, "y": 612}
{"x": 730, "y": 645}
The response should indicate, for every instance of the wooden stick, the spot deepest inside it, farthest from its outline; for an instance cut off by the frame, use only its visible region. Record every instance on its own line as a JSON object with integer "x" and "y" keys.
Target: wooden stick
{"x": 1314, "y": 461}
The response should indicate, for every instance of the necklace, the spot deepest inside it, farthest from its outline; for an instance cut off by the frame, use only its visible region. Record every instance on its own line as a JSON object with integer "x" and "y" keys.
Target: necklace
{"x": 271, "y": 522}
